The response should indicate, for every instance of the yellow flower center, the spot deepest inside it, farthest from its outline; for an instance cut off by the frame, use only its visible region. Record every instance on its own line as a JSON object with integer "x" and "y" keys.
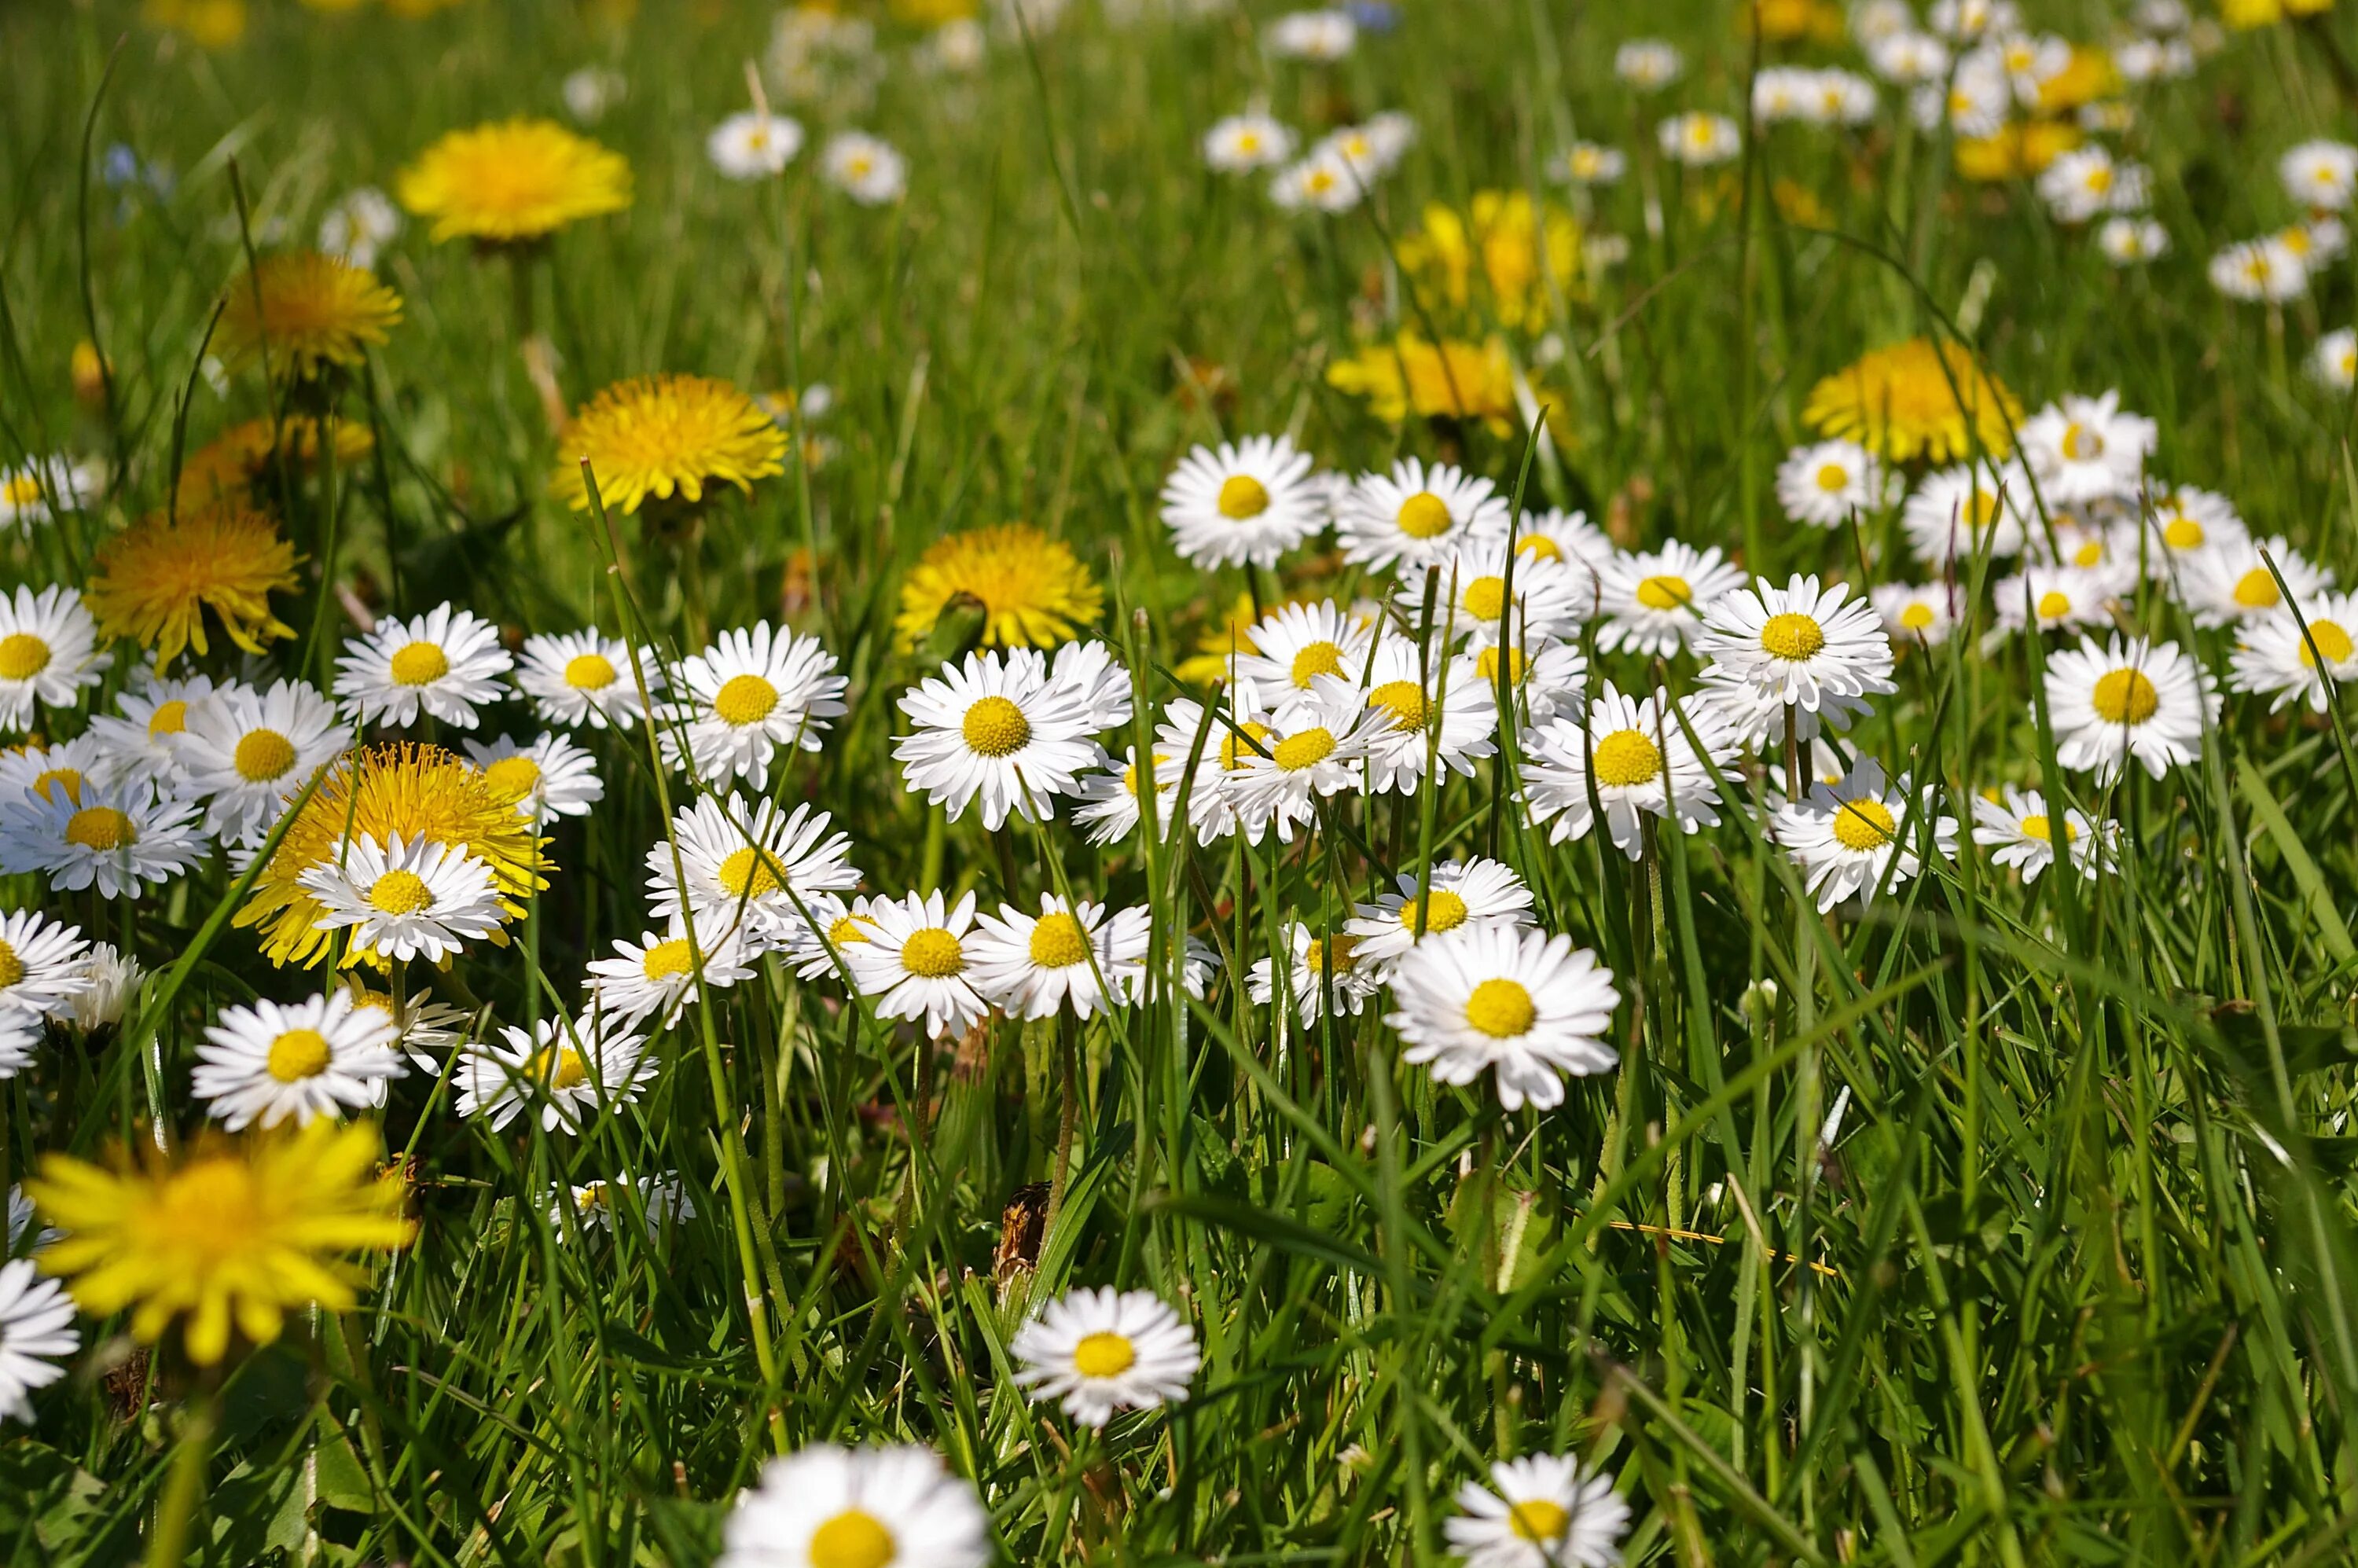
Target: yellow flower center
{"x": 1486, "y": 665}
{"x": 1917, "y": 616}
{"x": 400, "y": 893}
{"x": 2125, "y": 696}
{"x": 560, "y": 1067}
{"x": 22, "y": 656}
{"x": 1539, "y": 547}
{"x": 1862, "y": 825}
{"x": 933, "y": 953}
{"x": 1664, "y": 593}
{"x": 1538, "y": 1521}
{"x": 846, "y": 928}
{"x": 263, "y": 755}
{"x": 21, "y": 490}
{"x": 744, "y": 699}
{"x": 12, "y": 968}
{"x": 65, "y": 782}
{"x": 419, "y": 664}
{"x": 2042, "y": 829}
{"x": 2054, "y": 604}
{"x": 1404, "y": 699}
{"x": 1792, "y": 636}
{"x": 748, "y": 873}
{"x": 170, "y": 719}
{"x": 1104, "y": 1355}
{"x": 2257, "y": 590}
{"x": 1424, "y": 515}
{"x": 1321, "y": 658}
{"x": 589, "y": 672}
{"x": 995, "y": 726}
{"x": 1242, "y": 497}
{"x": 513, "y": 778}
{"x": 1304, "y": 748}
{"x": 1233, "y": 751}
{"x": 1485, "y": 597}
{"x": 1500, "y": 1008}
{"x": 2182, "y": 534}
{"x": 2100, "y": 180}
{"x": 2331, "y": 641}
{"x": 1832, "y": 476}
{"x": 1335, "y": 954}
{"x": 211, "y": 1210}
{"x": 298, "y": 1055}
{"x": 666, "y": 959}
{"x": 100, "y": 827}
{"x": 1058, "y": 942}
{"x": 1628, "y": 757}
{"x": 2091, "y": 554}
{"x": 1984, "y": 511}
{"x": 1443, "y": 911}
{"x": 854, "y": 1538}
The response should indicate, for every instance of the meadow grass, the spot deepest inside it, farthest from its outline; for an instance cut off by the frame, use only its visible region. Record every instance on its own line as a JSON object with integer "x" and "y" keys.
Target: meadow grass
{"x": 2071, "y": 1277}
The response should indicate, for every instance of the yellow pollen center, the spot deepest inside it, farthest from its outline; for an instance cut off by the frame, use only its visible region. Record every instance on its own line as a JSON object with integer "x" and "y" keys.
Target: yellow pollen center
{"x": 1832, "y": 476}
{"x": 1538, "y": 1521}
{"x": 1104, "y": 1355}
{"x": 1335, "y": 954}
{"x": 12, "y": 968}
{"x": 22, "y": 656}
{"x": 1242, "y": 498}
{"x": 1305, "y": 749}
{"x": 400, "y": 893}
{"x": 21, "y": 490}
{"x": 1485, "y": 597}
{"x": 1058, "y": 942}
{"x": 2091, "y": 554}
{"x": 560, "y": 1067}
{"x": 210, "y": 1209}
{"x": 667, "y": 959}
{"x": 1501, "y": 1009}
{"x": 100, "y": 827}
{"x": 748, "y": 873}
{"x": 66, "y": 783}
{"x": 170, "y": 719}
{"x": 2182, "y": 534}
{"x": 2054, "y": 604}
{"x": 846, "y": 928}
{"x": 419, "y": 664}
{"x": 995, "y": 726}
{"x": 744, "y": 699}
{"x": 1664, "y": 593}
{"x": 2257, "y": 590}
{"x": 513, "y": 778}
{"x": 2331, "y": 641}
{"x": 1792, "y": 636}
{"x": 1443, "y": 911}
{"x": 1540, "y": 548}
{"x": 1404, "y": 699}
{"x": 933, "y": 953}
{"x": 2125, "y": 696}
{"x": 589, "y": 672}
{"x": 1628, "y": 757}
{"x": 1862, "y": 825}
{"x": 1424, "y": 515}
{"x": 1915, "y": 617}
{"x": 852, "y": 1539}
{"x": 298, "y": 1055}
{"x": 1320, "y": 658}
{"x": 1233, "y": 752}
{"x": 263, "y": 755}
{"x": 1486, "y": 665}
{"x": 1984, "y": 511}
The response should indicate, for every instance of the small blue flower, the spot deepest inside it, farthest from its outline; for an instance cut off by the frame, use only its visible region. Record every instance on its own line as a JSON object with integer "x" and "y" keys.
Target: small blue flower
{"x": 1373, "y": 16}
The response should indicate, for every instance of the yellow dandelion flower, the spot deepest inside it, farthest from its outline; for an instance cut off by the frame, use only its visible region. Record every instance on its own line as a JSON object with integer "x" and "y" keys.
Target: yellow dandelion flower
{"x": 303, "y": 311}
{"x": 1458, "y": 381}
{"x": 209, "y": 24}
{"x": 2018, "y": 152}
{"x": 227, "y": 466}
{"x": 154, "y": 581}
{"x": 666, "y": 434}
{"x": 228, "y": 1233}
{"x": 1900, "y": 402}
{"x": 2244, "y": 15}
{"x": 417, "y": 792}
{"x": 1793, "y": 21}
{"x": 1494, "y": 259}
{"x": 1035, "y": 592}
{"x": 513, "y": 180}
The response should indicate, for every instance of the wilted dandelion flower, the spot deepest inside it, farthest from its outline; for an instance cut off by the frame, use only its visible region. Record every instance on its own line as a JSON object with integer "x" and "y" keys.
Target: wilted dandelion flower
{"x": 445, "y": 664}
{"x": 1519, "y": 1003}
{"x": 1032, "y": 590}
{"x": 1246, "y": 502}
{"x": 1853, "y": 836}
{"x": 1540, "y": 1511}
{"x": 665, "y": 437}
{"x": 2017, "y": 827}
{"x": 300, "y": 312}
{"x": 49, "y": 652}
{"x": 1080, "y": 955}
{"x": 827, "y": 1507}
{"x": 750, "y": 692}
{"x": 154, "y": 581}
{"x": 268, "y": 1063}
{"x": 1096, "y": 1352}
{"x": 916, "y": 963}
{"x": 564, "y": 1070}
{"x": 2274, "y": 657}
{"x": 512, "y": 181}
{"x": 246, "y": 753}
{"x": 1914, "y": 400}
{"x": 752, "y": 145}
{"x": 2126, "y": 699}
{"x": 226, "y": 1234}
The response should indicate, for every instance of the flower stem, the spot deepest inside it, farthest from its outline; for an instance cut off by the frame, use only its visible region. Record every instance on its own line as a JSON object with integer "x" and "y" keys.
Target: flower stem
{"x": 168, "y": 1548}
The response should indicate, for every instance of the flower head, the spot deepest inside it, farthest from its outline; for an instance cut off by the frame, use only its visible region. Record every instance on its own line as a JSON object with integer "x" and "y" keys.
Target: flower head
{"x": 48, "y": 651}
{"x": 1032, "y": 590}
{"x": 154, "y": 580}
{"x": 1914, "y": 400}
{"x": 666, "y": 436}
{"x": 827, "y": 1507}
{"x": 1504, "y": 999}
{"x": 513, "y": 180}
{"x": 1541, "y": 1511}
{"x": 301, "y": 312}
{"x": 268, "y": 1063}
{"x": 1096, "y": 1352}
{"x": 445, "y": 664}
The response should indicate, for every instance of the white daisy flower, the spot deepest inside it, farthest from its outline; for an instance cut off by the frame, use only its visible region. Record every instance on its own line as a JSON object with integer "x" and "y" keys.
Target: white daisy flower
{"x": 415, "y": 900}
{"x": 1556, "y": 534}
{"x": 1959, "y": 512}
{"x": 1029, "y": 966}
{"x": 1518, "y": 1002}
{"x": 2186, "y": 521}
{"x": 1844, "y": 98}
{"x": 1590, "y": 163}
{"x": 1784, "y": 92}
{"x": 1400, "y": 740}
{"x": 1099, "y": 682}
{"x": 1243, "y": 143}
{"x": 112, "y": 981}
{"x": 585, "y": 677}
{"x": 1109, "y": 804}
{"x": 2320, "y": 175}
{"x": 1372, "y": 150}
{"x": 2086, "y": 449}
{"x": 1416, "y": 517}
{"x": 2229, "y": 582}
{"x": 2126, "y": 699}
{"x": 600, "y": 1204}
{"x": 1911, "y": 612}
{"x": 247, "y": 752}
{"x": 2259, "y": 270}
{"x": 550, "y": 777}
{"x": 1635, "y": 757}
{"x": 33, "y": 495}
{"x": 997, "y": 729}
{"x": 2017, "y": 826}
{"x": 658, "y": 974}
{"x": 2128, "y": 242}
{"x": 1475, "y": 600}
{"x": 2317, "y": 241}
{"x": 1246, "y": 503}
{"x": 1227, "y": 735}
{"x": 827, "y": 1506}
{"x": 2031, "y": 61}
{"x": 139, "y": 744}
{"x": 113, "y": 839}
{"x": 422, "y": 1029}
{"x": 2273, "y": 657}
{"x": 1311, "y": 751}
{"x": 1827, "y": 483}
{"x": 1543, "y": 680}
{"x": 814, "y": 946}
{"x": 1323, "y": 975}
{"x": 1701, "y": 140}
{"x": 866, "y": 168}
{"x": 44, "y": 964}
{"x": 445, "y": 664}
{"x": 52, "y": 772}
{"x": 1798, "y": 645}
{"x": 49, "y": 652}
{"x": 1647, "y": 64}
{"x": 1295, "y": 644}
{"x": 752, "y": 691}
{"x": 1872, "y": 21}
{"x": 917, "y": 961}
{"x": 1861, "y": 834}
{"x": 1976, "y": 100}
{"x": 267, "y": 1064}
{"x": 1461, "y": 897}
{"x": 37, "y": 1333}
{"x": 2056, "y": 599}
{"x": 565, "y": 1069}
{"x": 1653, "y": 600}
{"x": 1321, "y": 35}
{"x": 360, "y": 225}
{"x": 1538, "y": 1511}
{"x": 1908, "y": 58}
{"x": 2335, "y": 361}
{"x": 752, "y": 145}
{"x": 747, "y": 863}
{"x": 2085, "y": 183}
{"x": 1323, "y": 182}
{"x": 1096, "y": 1352}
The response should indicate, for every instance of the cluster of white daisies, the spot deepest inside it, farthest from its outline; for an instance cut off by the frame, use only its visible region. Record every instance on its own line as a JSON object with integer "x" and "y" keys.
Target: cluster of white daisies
{"x": 2320, "y": 177}
{"x": 1333, "y": 175}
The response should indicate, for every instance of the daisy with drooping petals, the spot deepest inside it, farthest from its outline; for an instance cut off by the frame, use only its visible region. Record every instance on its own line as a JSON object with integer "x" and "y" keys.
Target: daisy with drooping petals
{"x": 1459, "y": 897}
{"x": 750, "y": 693}
{"x": 2230, "y": 582}
{"x": 1416, "y": 517}
{"x": 49, "y": 652}
{"x": 1519, "y": 1003}
{"x": 2086, "y": 449}
{"x": 584, "y": 677}
{"x": 512, "y": 181}
{"x": 1958, "y": 513}
{"x": 2016, "y": 825}
{"x": 917, "y": 964}
{"x": 1827, "y": 483}
{"x": 570, "y": 1069}
{"x": 996, "y": 728}
{"x": 1035, "y": 592}
{"x": 154, "y": 581}
{"x": 266, "y": 1063}
{"x": 446, "y": 663}
{"x": 1540, "y": 1511}
{"x": 1029, "y": 966}
{"x": 660, "y": 973}
{"x": 1246, "y": 503}
{"x": 37, "y": 1333}
{"x": 1653, "y": 600}
{"x": 1635, "y": 757}
{"x": 827, "y": 1507}
{"x": 1914, "y": 613}
{"x": 747, "y": 863}
{"x": 551, "y": 777}
{"x": 1798, "y": 645}
{"x": 1311, "y": 751}
{"x": 1096, "y": 1352}
{"x": 666, "y": 438}
{"x": 246, "y": 753}
{"x": 415, "y": 900}
{"x": 2274, "y": 656}
{"x": 113, "y": 839}
{"x": 1860, "y": 835}
{"x": 1402, "y": 739}
{"x": 1323, "y": 975}
{"x": 301, "y": 312}
{"x": 751, "y": 144}
{"x": 139, "y": 743}
{"x": 867, "y": 168}
{"x": 1295, "y": 644}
